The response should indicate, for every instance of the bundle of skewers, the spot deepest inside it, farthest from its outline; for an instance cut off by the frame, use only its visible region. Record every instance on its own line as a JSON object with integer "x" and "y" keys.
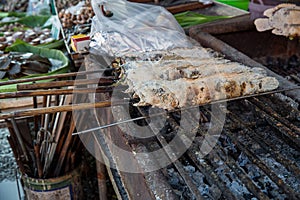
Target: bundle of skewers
{"x": 41, "y": 135}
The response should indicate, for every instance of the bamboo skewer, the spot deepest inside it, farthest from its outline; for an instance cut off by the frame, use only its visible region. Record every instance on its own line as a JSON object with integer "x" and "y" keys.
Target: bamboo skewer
{"x": 54, "y": 92}
{"x": 65, "y": 75}
{"x": 54, "y": 149}
{"x": 38, "y": 160}
{"x": 63, "y": 152}
{"x": 18, "y": 134}
{"x": 56, "y": 132}
{"x": 48, "y": 85}
{"x": 35, "y": 105}
{"x": 45, "y": 136}
{"x": 54, "y": 109}
{"x": 17, "y": 156}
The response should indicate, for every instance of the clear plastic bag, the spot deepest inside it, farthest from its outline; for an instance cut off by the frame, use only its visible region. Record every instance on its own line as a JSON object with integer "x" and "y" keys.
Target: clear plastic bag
{"x": 134, "y": 27}
{"x": 38, "y": 7}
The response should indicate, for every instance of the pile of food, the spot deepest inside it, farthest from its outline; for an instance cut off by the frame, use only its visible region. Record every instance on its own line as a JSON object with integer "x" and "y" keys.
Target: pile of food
{"x": 16, "y": 65}
{"x": 190, "y": 76}
{"x": 32, "y": 36}
{"x": 75, "y": 13}
{"x": 283, "y": 19}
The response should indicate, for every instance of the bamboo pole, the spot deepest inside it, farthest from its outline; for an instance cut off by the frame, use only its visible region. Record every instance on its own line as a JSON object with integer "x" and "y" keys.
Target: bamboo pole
{"x": 65, "y": 75}
{"x": 55, "y": 84}
{"x": 38, "y": 160}
{"x": 54, "y": 109}
{"x": 17, "y": 156}
{"x": 54, "y": 92}
{"x": 19, "y": 137}
{"x": 65, "y": 148}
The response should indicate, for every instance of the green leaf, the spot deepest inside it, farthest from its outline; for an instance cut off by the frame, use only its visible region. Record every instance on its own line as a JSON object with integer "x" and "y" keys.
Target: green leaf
{"x": 57, "y": 44}
{"x": 188, "y": 18}
{"x": 21, "y": 46}
{"x": 30, "y": 21}
{"x": 12, "y": 14}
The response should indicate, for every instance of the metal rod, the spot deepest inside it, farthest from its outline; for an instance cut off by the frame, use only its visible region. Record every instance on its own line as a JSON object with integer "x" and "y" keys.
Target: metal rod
{"x": 18, "y": 186}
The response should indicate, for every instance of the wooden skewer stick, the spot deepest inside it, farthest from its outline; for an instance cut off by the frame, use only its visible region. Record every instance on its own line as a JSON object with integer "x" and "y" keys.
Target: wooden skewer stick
{"x": 55, "y": 84}
{"x": 38, "y": 160}
{"x": 54, "y": 109}
{"x": 19, "y": 137}
{"x": 17, "y": 156}
{"x": 64, "y": 150}
{"x": 54, "y": 92}
{"x": 65, "y": 75}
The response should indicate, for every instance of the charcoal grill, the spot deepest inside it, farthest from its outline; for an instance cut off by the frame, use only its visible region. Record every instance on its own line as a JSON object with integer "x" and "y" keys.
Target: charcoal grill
{"x": 256, "y": 156}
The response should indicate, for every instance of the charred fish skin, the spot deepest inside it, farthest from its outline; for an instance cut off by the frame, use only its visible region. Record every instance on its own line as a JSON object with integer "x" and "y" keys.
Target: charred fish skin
{"x": 185, "y": 80}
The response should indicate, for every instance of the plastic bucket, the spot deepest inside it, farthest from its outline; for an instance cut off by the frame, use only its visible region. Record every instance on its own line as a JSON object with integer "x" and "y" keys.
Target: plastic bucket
{"x": 241, "y": 4}
{"x": 67, "y": 187}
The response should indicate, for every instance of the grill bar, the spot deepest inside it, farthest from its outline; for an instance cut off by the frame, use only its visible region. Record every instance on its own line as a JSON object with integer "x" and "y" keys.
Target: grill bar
{"x": 285, "y": 132}
{"x": 179, "y": 167}
{"x": 208, "y": 171}
{"x": 292, "y": 194}
{"x": 256, "y": 133}
{"x": 263, "y": 105}
{"x": 267, "y": 146}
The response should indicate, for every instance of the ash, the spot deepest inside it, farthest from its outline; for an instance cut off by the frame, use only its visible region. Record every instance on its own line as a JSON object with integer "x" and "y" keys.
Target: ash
{"x": 259, "y": 178}
{"x": 180, "y": 188}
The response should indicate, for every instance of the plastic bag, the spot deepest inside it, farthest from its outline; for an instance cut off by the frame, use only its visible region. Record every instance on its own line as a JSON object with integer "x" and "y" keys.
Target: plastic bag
{"x": 134, "y": 27}
{"x": 38, "y": 7}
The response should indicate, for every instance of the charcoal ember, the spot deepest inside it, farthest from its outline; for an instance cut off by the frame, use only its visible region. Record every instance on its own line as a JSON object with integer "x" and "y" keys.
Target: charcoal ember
{"x": 293, "y": 61}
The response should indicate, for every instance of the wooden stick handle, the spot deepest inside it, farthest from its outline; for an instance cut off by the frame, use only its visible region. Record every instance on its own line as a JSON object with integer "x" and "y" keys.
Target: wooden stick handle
{"x": 54, "y": 109}
{"x": 38, "y": 160}
{"x": 54, "y": 92}
{"x": 56, "y": 76}
{"x": 56, "y": 84}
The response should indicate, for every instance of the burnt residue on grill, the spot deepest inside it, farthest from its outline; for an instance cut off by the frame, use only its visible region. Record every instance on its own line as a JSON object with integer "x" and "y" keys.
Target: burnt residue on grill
{"x": 286, "y": 67}
{"x": 256, "y": 156}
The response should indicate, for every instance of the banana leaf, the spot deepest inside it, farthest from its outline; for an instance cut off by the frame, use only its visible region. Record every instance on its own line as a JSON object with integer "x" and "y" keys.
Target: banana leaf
{"x": 30, "y": 21}
{"x": 189, "y": 18}
{"x": 21, "y": 46}
{"x": 12, "y": 14}
{"x": 57, "y": 44}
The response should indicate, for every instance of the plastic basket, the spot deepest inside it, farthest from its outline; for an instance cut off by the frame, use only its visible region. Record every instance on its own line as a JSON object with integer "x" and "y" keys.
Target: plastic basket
{"x": 241, "y": 4}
